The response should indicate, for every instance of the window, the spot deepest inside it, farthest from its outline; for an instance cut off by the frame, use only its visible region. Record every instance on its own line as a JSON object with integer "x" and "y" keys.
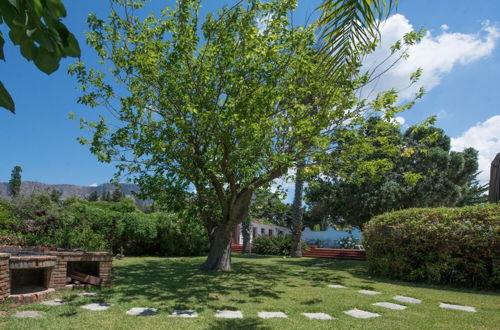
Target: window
{"x": 262, "y": 231}
{"x": 270, "y": 232}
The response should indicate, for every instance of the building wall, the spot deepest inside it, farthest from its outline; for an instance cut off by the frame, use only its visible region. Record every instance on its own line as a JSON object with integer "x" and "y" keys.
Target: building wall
{"x": 259, "y": 230}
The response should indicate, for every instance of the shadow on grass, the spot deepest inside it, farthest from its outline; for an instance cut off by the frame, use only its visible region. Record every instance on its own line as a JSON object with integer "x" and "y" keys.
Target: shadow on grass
{"x": 182, "y": 285}
{"x": 246, "y": 323}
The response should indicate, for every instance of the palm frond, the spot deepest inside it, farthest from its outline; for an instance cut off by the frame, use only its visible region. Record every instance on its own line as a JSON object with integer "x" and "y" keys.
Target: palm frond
{"x": 348, "y": 27}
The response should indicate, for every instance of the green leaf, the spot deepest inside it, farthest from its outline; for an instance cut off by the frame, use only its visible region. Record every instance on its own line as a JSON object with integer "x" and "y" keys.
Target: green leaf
{"x": 57, "y": 7}
{"x": 73, "y": 49}
{"x": 2, "y": 42}
{"x": 46, "y": 61}
{"x": 6, "y": 100}
{"x": 28, "y": 49}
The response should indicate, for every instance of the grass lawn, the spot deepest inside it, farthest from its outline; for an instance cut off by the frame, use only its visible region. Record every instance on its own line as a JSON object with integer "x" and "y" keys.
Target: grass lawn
{"x": 258, "y": 284}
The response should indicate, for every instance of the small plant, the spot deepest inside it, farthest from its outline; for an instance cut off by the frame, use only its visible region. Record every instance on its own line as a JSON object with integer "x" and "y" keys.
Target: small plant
{"x": 275, "y": 245}
{"x": 349, "y": 242}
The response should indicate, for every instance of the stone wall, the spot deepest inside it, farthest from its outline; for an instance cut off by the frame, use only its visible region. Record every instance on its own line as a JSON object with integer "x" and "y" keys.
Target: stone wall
{"x": 4, "y": 276}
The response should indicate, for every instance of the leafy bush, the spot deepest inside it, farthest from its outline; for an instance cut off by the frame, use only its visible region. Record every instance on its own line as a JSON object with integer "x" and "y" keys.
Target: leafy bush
{"x": 454, "y": 246}
{"x": 106, "y": 226}
{"x": 280, "y": 245}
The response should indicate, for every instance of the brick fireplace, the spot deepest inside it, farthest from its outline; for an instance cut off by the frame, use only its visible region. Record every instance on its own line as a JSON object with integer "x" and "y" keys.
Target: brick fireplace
{"x": 31, "y": 274}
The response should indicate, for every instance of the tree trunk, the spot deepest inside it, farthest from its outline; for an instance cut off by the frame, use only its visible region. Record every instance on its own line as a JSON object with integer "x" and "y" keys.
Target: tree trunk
{"x": 245, "y": 230}
{"x": 219, "y": 255}
{"x": 297, "y": 212}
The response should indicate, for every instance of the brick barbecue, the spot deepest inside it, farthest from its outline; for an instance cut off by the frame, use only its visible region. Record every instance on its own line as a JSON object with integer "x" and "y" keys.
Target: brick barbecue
{"x": 30, "y": 274}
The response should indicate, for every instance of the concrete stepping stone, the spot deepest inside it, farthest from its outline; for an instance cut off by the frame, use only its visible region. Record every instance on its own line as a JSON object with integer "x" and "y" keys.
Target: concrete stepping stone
{"x": 55, "y": 302}
{"x": 458, "y": 307}
{"x": 97, "y": 306}
{"x": 229, "y": 315}
{"x": 368, "y": 292}
{"x": 359, "y": 314}
{"x": 184, "y": 314}
{"x": 336, "y": 286}
{"x": 27, "y": 314}
{"x": 389, "y": 305}
{"x": 141, "y": 311}
{"x": 408, "y": 300}
{"x": 271, "y": 315}
{"x": 317, "y": 316}
{"x": 323, "y": 264}
{"x": 88, "y": 294}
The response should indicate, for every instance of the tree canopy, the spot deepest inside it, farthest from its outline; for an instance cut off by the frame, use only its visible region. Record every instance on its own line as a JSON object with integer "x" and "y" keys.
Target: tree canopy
{"x": 35, "y": 26}
{"x": 415, "y": 169}
{"x": 220, "y": 106}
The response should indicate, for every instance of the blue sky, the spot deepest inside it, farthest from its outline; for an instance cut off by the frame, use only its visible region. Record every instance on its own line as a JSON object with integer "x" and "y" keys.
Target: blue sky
{"x": 460, "y": 58}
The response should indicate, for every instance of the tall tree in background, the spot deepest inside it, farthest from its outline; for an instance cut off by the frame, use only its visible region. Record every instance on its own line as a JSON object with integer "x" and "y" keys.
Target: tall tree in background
{"x": 423, "y": 173}
{"x": 93, "y": 196}
{"x": 35, "y": 26}
{"x": 117, "y": 194}
{"x": 223, "y": 112}
{"x": 348, "y": 28}
{"x": 15, "y": 181}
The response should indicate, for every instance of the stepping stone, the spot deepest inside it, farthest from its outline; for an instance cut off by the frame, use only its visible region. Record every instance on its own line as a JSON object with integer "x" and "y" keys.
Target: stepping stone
{"x": 359, "y": 314}
{"x": 271, "y": 315}
{"x": 323, "y": 264}
{"x": 317, "y": 316}
{"x": 141, "y": 311}
{"x": 390, "y": 306}
{"x": 55, "y": 302}
{"x": 97, "y": 306}
{"x": 229, "y": 315}
{"x": 88, "y": 294}
{"x": 27, "y": 314}
{"x": 368, "y": 292}
{"x": 458, "y": 307}
{"x": 336, "y": 286}
{"x": 408, "y": 300}
{"x": 184, "y": 313}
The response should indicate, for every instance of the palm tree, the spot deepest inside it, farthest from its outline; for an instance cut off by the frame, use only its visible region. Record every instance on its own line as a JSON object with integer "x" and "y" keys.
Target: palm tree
{"x": 347, "y": 27}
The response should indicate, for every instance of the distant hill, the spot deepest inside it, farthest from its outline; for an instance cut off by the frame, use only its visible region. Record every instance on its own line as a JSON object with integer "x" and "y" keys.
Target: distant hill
{"x": 69, "y": 190}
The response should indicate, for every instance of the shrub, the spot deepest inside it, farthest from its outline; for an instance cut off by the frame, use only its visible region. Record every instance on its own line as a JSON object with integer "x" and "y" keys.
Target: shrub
{"x": 106, "y": 226}
{"x": 280, "y": 245}
{"x": 454, "y": 246}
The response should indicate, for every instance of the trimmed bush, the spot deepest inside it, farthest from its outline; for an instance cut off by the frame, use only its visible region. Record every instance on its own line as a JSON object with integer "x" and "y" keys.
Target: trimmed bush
{"x": 280, "y": 245}
{"x": 452, "y": 246}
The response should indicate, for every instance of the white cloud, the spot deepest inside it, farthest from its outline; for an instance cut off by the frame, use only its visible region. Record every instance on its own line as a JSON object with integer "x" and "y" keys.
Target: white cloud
{"x": 484, "y": 137}
{"x": 445, "y": 27}
{"x": 435, "y": 54}
{"x": 93, "y": 185}
{"x": 401, "y": 120}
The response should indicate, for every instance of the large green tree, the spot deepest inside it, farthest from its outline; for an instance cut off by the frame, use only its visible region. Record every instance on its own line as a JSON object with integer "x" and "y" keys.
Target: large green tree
{"x": 35, "y": 26}
{"x": 417, "y": 170}
{"x": 223, "y": 105}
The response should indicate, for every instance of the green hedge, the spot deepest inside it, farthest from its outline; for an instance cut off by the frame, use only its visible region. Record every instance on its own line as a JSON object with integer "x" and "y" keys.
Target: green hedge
{"x": 279, "y": 245}
{"x": 452, "y": 246}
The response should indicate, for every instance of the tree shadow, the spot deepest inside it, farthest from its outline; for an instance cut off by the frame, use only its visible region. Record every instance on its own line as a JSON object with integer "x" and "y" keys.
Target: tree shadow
{"x": 245, "y": 323}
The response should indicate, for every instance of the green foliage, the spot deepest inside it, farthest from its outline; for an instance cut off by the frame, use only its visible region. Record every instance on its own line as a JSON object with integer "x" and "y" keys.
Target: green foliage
{"x": 180, "y": 235}
{"x": 350, "y": 25}
{"x": 93, "y": 196}
{"x": 279, "y": 245}
{"x": 35, "y": 26}
{"x": 269, "y": 208}
{"x": 452, "y": 246}
{"x": 15, "y": 181}
{"x": 111, "y": 226}
{"x": 387, "y": 170}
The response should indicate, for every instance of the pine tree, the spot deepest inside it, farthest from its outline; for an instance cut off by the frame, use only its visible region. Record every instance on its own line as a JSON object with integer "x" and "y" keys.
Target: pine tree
{"x": 117, "y": 195}
{"x": 15, "y": 181}
{"x": 93, "y": 196}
